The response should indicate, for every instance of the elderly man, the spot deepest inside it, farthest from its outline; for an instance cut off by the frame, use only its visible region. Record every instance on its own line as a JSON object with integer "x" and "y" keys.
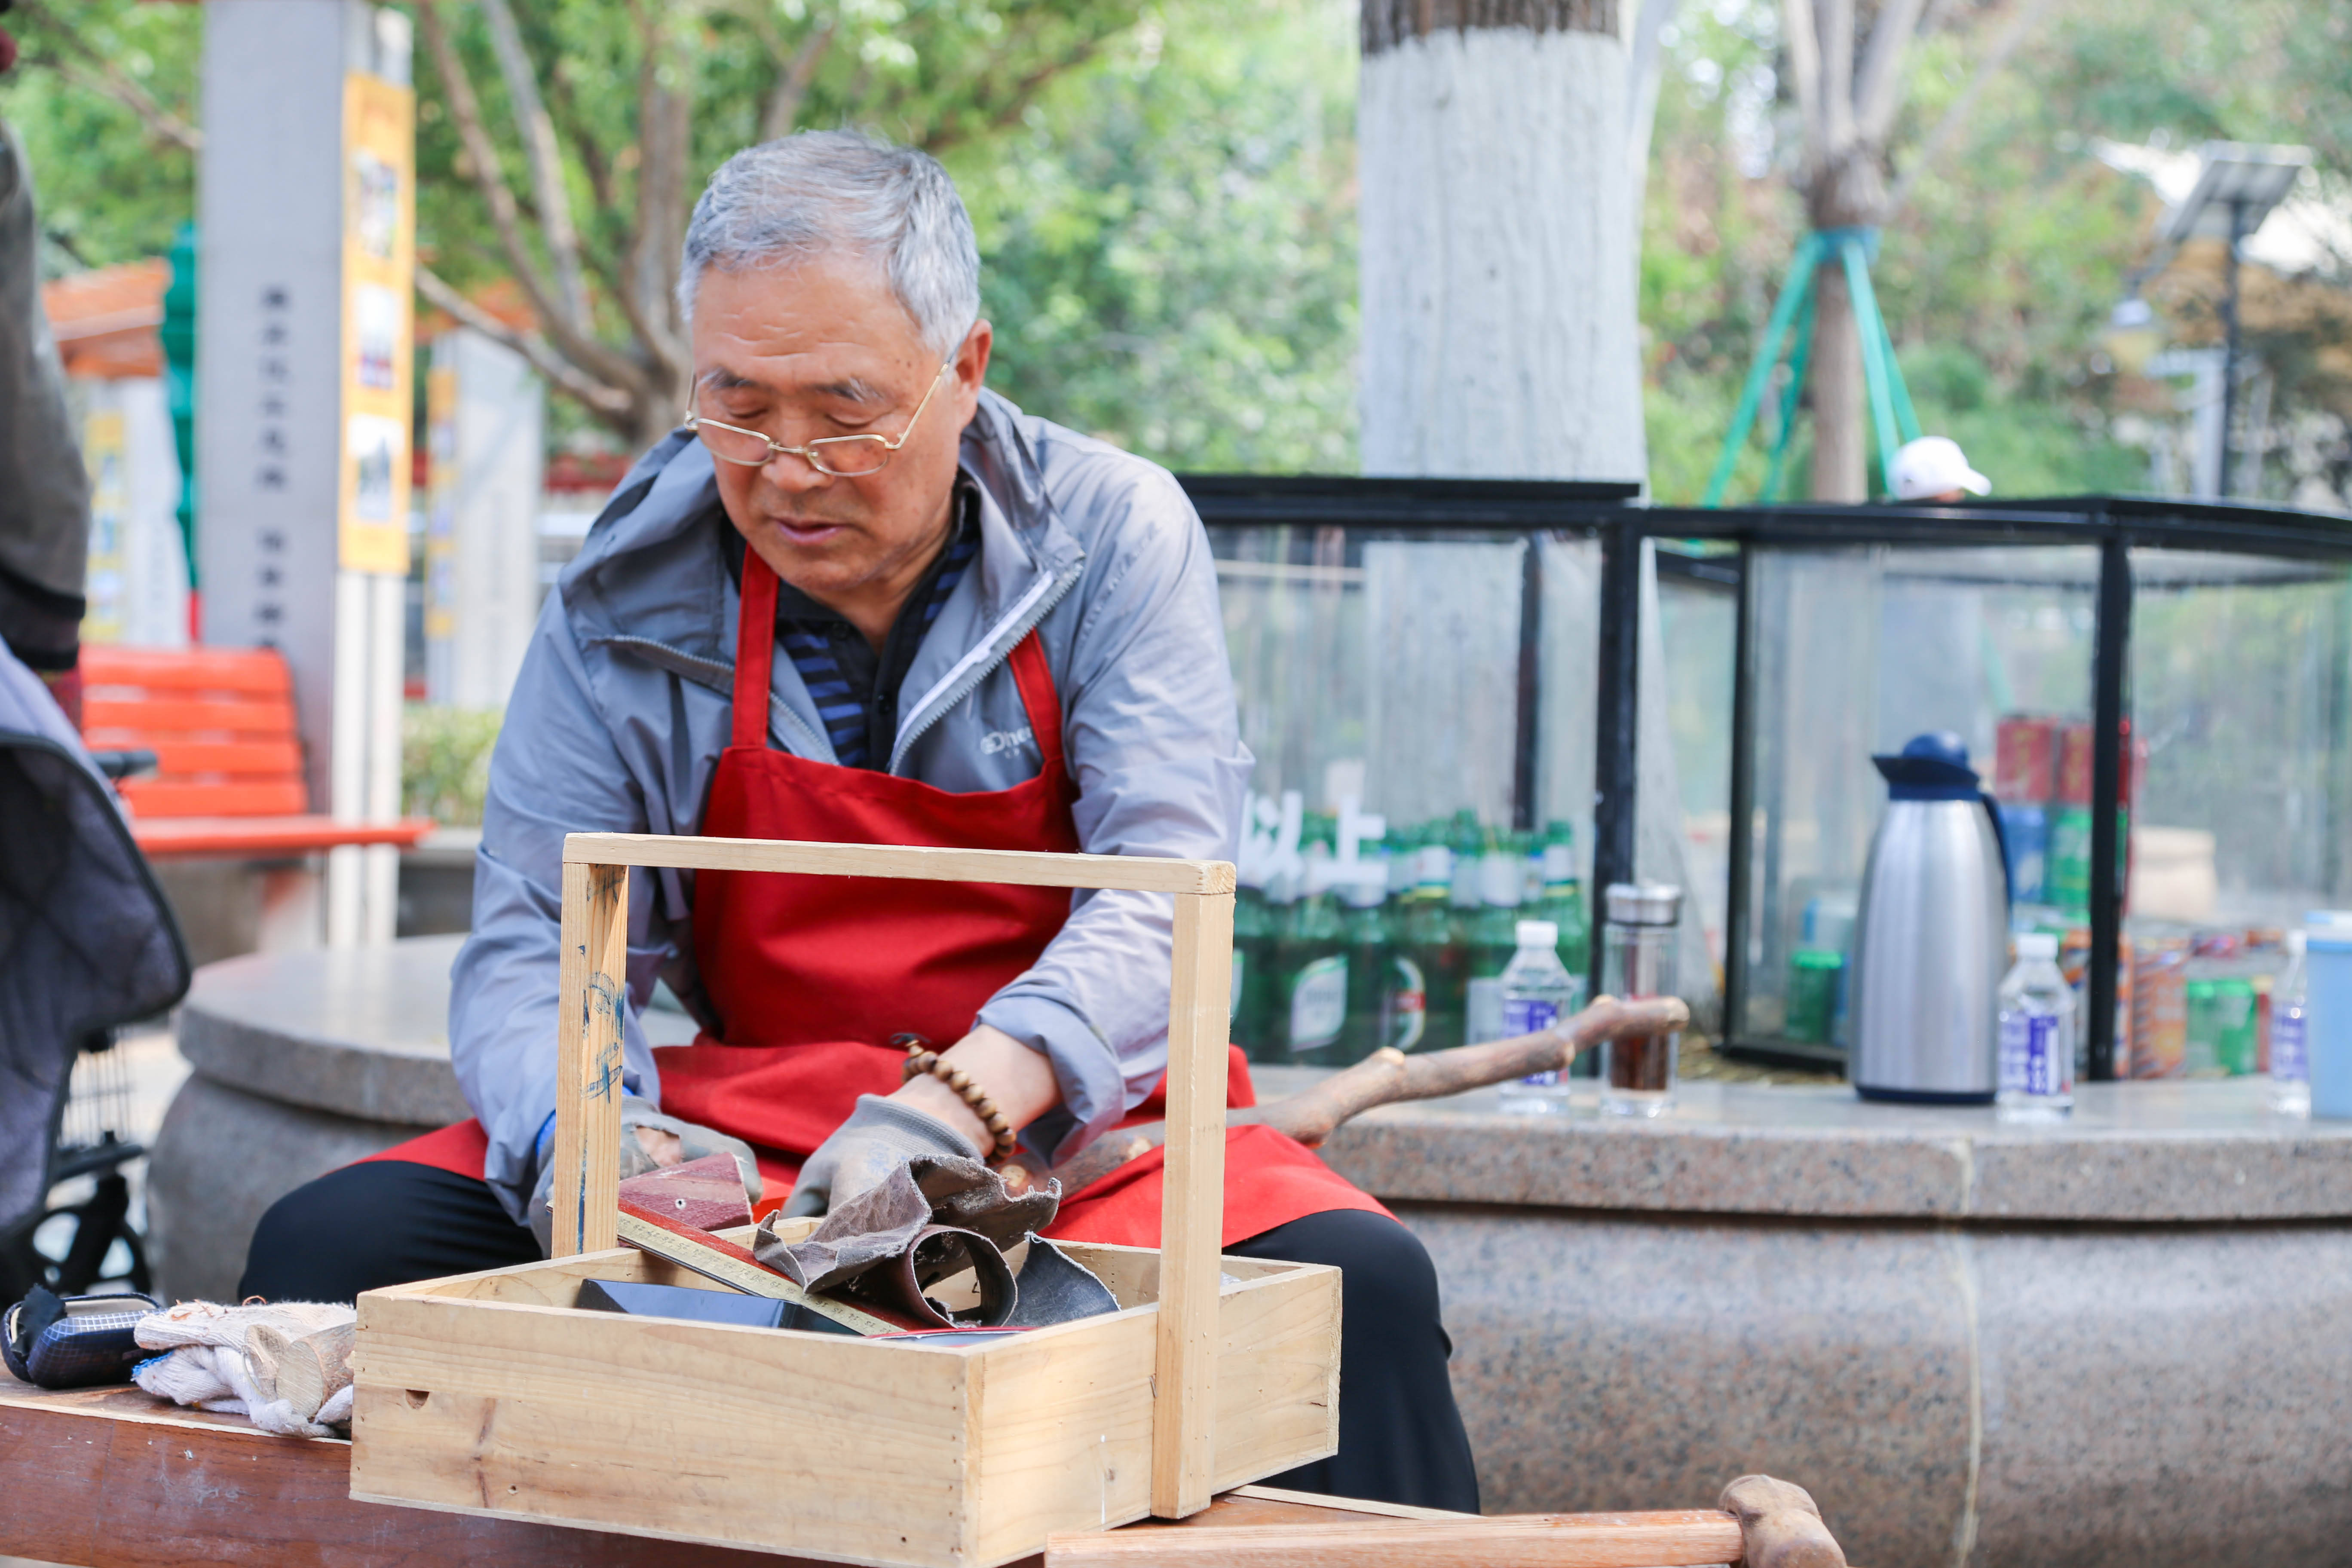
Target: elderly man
{"x": 857, "y": 598}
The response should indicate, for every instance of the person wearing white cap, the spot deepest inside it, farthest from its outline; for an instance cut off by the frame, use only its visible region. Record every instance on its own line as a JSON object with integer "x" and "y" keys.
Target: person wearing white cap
{"x": 1934, "y": 467}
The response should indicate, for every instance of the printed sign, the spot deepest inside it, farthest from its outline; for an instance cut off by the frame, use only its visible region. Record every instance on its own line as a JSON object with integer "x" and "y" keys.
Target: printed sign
{"x": 378, "y": 332}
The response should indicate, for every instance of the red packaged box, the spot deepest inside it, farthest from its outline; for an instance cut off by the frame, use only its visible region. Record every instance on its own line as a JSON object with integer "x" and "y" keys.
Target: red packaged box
{"x": 2022, "y": 759}
{"x": 2074, "y": 764}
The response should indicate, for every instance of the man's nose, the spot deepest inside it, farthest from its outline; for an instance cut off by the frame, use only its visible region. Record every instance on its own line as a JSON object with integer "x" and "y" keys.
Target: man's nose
{"x": 790, "y": 472}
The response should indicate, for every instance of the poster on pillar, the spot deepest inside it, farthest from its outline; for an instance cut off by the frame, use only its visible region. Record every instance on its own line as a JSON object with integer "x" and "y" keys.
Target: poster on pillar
{"x": 379, "y": 281}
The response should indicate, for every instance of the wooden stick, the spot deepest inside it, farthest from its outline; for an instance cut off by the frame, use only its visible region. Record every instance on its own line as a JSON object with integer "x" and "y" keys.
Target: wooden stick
{"x": 1134, "y": 872}
{"x": 1676, "y": 1540}
{"x": 1191, "y": 1207}
{"x": 1388, "y": 1076}
{"x": 593, "y": 980}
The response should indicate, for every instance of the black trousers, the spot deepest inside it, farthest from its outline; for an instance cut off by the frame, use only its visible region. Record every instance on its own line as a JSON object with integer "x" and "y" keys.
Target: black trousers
{"x": 389, "y": 1222}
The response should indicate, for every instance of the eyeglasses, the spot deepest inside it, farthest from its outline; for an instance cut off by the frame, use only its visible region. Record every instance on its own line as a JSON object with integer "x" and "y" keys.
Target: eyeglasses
{"x": 843, "y": 456}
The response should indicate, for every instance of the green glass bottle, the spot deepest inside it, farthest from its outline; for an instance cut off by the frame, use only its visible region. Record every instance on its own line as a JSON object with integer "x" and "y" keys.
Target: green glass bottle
{"x": 1563, "y": 900}
{"x": 1253, "y": 969}
{"x": 1432, "y": 939}
{"x": 1311, "y": 956}
{"x": 1371, "y": 958}
{"x": 1494, "y": 935}
{"x": 1267, "y": 1007}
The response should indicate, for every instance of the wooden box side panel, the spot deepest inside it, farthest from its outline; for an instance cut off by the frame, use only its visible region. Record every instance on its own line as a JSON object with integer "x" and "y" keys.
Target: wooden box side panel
{"x": 1277, "y": 1373}
{"x": 1062, "y": 1424}
{"x": 699, "y": 1432}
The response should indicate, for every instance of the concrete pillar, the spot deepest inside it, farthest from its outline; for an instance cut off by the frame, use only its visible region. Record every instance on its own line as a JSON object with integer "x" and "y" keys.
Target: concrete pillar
{"x": 487, "y": 416}
{"x": 305, "y": 208}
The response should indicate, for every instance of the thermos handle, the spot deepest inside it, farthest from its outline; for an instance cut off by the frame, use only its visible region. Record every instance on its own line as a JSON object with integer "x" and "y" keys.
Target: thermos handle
{"x": 2001, "y": 841}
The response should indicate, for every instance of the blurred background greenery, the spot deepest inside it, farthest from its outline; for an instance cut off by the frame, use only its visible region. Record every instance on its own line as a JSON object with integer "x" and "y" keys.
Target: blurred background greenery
{"x": 1164, "y": 195}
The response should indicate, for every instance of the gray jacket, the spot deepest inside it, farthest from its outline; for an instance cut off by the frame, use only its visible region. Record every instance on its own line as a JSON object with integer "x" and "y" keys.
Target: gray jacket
{"x": 622, "y": 709}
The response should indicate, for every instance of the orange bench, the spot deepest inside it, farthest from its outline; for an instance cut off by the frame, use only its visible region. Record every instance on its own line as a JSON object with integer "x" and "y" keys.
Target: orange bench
{"x": 228, "y": 777}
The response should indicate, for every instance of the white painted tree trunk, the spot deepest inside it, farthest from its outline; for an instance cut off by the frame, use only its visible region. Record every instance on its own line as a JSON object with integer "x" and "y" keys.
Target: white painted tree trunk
{"x": 1498, "y": 258}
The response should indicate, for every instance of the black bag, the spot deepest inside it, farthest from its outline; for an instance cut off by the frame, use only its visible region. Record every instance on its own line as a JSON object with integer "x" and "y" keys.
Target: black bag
{"x": 73, "y": 1342}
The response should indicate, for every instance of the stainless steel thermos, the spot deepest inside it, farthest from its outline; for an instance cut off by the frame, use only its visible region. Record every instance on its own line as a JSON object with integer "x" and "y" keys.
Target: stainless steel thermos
{"x": 1931, "y": 936}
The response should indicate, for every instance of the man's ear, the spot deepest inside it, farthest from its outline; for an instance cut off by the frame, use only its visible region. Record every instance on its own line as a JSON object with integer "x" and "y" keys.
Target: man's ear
{"x": 972, "y": 360}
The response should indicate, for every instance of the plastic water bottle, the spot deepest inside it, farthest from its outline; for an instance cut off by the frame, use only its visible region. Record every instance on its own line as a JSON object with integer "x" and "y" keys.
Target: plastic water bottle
{"x": 2037, "y": 1035}
{"x": 2290, "y": 1054}
{"x": 1537, "y": 993}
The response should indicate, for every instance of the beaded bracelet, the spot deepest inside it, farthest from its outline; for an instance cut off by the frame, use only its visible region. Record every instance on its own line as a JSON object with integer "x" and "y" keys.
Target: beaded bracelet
{"x": 922, "y": 1060}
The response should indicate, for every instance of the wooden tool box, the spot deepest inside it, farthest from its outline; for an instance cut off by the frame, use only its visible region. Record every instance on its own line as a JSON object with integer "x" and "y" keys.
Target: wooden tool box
{"x": 491, "y": 1393}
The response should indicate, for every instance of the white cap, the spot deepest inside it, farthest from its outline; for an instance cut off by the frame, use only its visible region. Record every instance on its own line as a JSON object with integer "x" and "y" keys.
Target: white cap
{"x": 2297, "y": 943}
{"x": 1538, "y": 933}
{"x": 1935, "y": 466}
{"x": 2036, "y": 944}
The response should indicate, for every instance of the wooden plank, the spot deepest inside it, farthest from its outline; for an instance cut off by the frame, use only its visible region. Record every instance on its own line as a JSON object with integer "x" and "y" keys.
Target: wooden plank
{"x": 176, "y": 758}
{"x": 1281, "y": 1505}
{"x": 187, "y": 716}
{"x": 255, "y": 669}
{"x": 1674, "y": 1540}
{"x": 828, "y": 1445}
{"x": 113, "y": 1478}
{"x": 1277, "y": 1384}
{"x": 1135, "y": 872}
{"x": 591, "y": 992}
{"x": 1192, "y": 1214}
{"x": 244, "y": 797}
{"x": 167, "y": 838}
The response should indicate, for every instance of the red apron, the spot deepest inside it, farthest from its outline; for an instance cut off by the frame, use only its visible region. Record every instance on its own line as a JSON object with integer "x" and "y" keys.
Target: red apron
{"x": 814, "y": 975}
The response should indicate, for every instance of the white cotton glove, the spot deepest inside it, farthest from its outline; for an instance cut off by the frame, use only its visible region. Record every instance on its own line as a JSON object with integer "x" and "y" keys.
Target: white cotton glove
{"x": 226, "y": 1359}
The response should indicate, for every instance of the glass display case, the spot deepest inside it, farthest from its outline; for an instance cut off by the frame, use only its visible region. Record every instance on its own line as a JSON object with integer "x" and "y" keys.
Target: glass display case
{"x": 1472, "y": 701}
{"x": 1414, "y": 665}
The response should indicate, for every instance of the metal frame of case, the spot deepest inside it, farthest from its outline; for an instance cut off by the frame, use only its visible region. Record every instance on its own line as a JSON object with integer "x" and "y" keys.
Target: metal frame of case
{"x": 2115, "y": 525}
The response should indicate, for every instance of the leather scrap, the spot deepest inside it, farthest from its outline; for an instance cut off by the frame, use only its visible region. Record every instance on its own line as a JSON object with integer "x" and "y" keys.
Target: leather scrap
{"x": 1058, "y": 1288}
{"x": 706, "y": 1194}
{"x": 930, "y": 1219}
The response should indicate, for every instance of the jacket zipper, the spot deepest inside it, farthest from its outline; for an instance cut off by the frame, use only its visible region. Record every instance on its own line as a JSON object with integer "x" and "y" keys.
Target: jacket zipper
{"x": 1021, "y": 626}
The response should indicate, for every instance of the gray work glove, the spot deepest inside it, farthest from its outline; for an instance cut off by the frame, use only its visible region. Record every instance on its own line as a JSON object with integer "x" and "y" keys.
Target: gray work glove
{"x": 634, "y": 1161}
{"x": 879, "y": 1136}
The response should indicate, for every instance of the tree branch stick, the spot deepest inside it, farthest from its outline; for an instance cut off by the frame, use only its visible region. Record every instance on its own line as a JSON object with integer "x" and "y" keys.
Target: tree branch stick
{"x": 591, "y": 357}
{"x": 607, "y": 400}
{"x": 791, "y": 87}
{"x": 1878, "y": 85}
{"x": 1804, "y": 47}
{"x": 1948, "y": 128}
{"x": 102, "y": 76}
{"x": 1837, "y": 76}
{"x": 546, "y": 159}
{"x": 1388, "y": 1076}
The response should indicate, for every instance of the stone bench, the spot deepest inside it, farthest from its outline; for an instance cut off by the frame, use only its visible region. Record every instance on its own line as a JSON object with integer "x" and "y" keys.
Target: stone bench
{"x": 2111, "y": 1342}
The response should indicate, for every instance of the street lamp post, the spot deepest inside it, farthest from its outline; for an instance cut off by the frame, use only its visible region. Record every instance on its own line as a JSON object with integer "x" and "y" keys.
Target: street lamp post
{"x": 2237, "y": 185}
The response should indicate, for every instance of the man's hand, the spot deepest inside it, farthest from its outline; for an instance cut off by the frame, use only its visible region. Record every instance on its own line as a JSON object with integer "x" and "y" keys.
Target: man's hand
{"x": 879, "y": 1136}
{"x": 1778, "y": 1525}
{"x": 649, "y": 1140}
{"x": 1020, "y": 1081}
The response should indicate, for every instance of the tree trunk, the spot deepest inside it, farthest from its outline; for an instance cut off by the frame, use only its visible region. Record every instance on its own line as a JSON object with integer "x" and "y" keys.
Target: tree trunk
{"x": 1834, "y": 380}
{"x": 1849, "y": 190}
{"x": 1497, "y": 256}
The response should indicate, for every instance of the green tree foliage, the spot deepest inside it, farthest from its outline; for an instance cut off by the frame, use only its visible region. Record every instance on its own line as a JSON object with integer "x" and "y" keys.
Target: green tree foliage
{"x": 1169, "y": 240}
{"x": 110, "y": 189}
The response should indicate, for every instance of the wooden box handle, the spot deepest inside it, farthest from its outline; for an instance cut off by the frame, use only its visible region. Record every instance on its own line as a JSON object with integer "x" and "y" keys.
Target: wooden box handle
{"x": 593, "y": 1002}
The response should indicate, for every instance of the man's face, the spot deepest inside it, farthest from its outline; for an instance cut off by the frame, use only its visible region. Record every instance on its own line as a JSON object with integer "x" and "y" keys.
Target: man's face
{"x": 820, "y": 349}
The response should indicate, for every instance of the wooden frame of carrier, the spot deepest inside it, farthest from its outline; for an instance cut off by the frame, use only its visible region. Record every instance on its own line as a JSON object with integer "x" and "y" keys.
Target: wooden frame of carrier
{"x": 462, "y": 1405}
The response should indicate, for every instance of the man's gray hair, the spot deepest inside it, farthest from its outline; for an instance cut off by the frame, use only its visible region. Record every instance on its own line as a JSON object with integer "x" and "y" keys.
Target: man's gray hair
{"x": 823, "y": 193}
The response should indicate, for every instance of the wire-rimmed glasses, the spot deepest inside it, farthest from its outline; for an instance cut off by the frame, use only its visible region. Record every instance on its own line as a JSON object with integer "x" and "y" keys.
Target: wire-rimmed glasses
{"x": 843, "y": 456}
